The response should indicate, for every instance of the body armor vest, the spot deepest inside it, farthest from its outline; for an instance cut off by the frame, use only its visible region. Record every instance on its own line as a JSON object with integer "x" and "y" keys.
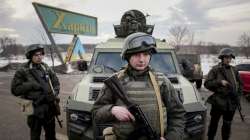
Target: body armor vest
{"x": 141, "y": 92}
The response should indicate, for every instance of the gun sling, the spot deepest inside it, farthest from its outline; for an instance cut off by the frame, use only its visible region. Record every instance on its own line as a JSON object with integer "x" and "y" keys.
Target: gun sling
{"x": 50, "y": 85}
{"x": 53, "y": 92}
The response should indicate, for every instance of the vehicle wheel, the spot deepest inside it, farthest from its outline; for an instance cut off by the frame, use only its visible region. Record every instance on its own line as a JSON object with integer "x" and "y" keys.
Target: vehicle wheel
{"x": 248, "y": 97}
{"x": 198, "y": 83}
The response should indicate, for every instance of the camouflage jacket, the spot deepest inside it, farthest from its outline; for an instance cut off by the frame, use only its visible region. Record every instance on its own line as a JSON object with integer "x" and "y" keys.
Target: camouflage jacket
{"x": 222, "y": 97}
{"x": 175, "y": 110}
{"x": 26, "y": 86}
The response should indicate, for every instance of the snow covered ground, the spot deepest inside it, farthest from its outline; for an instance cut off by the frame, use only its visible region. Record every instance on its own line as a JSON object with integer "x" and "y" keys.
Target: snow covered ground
{"x": 207, "y": 61}
{"x": 22, "y": 59}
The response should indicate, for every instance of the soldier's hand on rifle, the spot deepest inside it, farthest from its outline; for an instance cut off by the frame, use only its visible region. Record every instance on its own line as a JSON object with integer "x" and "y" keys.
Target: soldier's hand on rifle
{"x": 122, "y": 114}
{"x": 225, "y": 83}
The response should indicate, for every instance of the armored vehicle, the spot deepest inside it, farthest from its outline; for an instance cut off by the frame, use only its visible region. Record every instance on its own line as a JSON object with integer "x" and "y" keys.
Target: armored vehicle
{"x": 105, "y": 61}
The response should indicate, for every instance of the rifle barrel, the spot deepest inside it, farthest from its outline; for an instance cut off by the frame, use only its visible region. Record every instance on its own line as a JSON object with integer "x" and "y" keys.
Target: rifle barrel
{"x": 59, "y": 121}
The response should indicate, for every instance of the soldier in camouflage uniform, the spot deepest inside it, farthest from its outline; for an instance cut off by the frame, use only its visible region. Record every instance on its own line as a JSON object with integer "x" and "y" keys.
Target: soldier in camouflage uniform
{"x": 137, "y": 51}
{"x": 26, "y": 84}
{"x": 224, "y": 81}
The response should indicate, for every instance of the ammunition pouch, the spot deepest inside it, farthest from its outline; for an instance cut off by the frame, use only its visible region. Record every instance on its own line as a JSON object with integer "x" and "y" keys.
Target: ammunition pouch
{"x": 100, "y": 133}
{"x": 26, "y": 106}
{"x": 217, "y": 100}
{"x": 125, "y": 131}
{"x": 108, "y": 134}
{"x": 121, "y": 131}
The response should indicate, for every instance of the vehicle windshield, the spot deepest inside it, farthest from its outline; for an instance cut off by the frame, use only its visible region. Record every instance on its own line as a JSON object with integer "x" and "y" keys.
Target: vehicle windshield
{"x": 112, "y": 62}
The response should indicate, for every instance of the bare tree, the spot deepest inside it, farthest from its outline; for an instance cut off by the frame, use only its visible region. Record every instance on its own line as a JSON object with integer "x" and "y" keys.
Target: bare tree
{"x": 41, "y": 34}
{"x": 7, "y": 44}
{"x": 201, "y": 43}
{"x": 191, "y": 37}
{"x": 178, "y": 35}
{"x": 244, "y": 41}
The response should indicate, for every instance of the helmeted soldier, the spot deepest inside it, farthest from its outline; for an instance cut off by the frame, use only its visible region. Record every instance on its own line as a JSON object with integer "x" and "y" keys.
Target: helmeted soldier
{"x": 36, "y": 82}
{"x": 224, "y": 81}
{"x": 166, "y": 115}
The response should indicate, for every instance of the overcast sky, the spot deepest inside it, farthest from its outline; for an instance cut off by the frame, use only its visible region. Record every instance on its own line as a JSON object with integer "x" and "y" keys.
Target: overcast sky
{"x": 218, "y": 21}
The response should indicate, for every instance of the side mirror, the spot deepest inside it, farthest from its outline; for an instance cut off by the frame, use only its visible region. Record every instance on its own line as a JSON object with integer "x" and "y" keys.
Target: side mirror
{"x": 82, "y": 65}
{"x": 181, "y": 68}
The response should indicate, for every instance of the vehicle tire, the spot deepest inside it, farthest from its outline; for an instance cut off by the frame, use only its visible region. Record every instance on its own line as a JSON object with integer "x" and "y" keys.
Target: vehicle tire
{"x": 248, "y": 97}
{"x": 198, "y": 83}
{"x": 72, "y": 136}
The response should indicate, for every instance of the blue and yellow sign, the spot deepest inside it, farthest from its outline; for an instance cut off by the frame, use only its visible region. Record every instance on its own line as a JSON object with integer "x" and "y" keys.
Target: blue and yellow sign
{"x": 66, "y": 22}
{"x": 75, "y": 50}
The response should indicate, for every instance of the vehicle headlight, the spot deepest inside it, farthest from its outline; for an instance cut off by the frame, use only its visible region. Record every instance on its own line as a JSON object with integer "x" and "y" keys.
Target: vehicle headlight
{"x": 80, "y": 117}
{"x": 78, "y": 121}
{"x": 73, "y": 117}
{"x": 198, "y": 118}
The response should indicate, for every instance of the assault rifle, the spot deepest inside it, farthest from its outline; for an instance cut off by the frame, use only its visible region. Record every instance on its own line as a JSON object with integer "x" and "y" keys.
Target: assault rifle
{"x": 236, "y": 100}
{"x": 145, "y": 129}
{"x": 233, "y": 95}
{"x": 45, "y": 88}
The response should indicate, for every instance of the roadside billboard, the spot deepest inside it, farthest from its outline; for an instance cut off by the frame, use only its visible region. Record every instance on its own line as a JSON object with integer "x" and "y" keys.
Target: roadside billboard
{"x": 58, "y": 20}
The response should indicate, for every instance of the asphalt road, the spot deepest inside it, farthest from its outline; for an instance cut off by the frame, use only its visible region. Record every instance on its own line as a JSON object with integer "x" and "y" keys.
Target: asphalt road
{"x": 240, "y": 130}
{"x": 13, "y": 123}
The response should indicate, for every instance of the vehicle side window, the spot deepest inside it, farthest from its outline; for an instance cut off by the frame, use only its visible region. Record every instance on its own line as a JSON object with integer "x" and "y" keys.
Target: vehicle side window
{"x": 243, "y": 67}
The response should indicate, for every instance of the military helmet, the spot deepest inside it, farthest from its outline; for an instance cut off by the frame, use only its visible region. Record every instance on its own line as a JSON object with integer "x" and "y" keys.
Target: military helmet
{"x": 138, "y": 42}
{"x": 32, "y": 49}
{"x": 226, "y": 52}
